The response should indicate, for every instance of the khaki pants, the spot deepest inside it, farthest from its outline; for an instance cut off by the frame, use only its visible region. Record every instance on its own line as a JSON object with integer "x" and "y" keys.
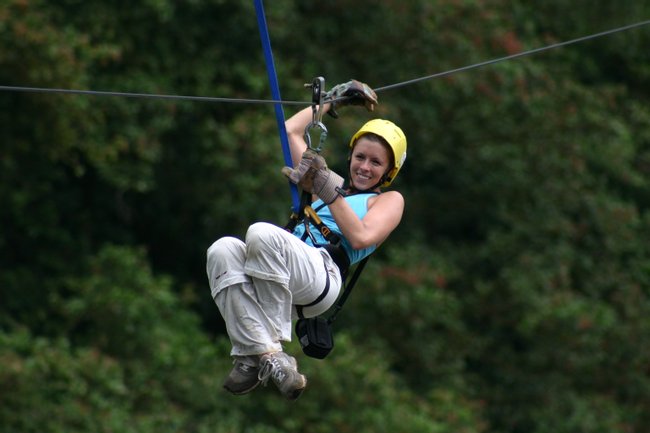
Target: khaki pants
{"x": 257, "y": 283}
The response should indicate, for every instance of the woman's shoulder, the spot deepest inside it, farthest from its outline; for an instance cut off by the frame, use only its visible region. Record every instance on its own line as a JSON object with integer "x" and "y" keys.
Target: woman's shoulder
{"x": 394, "y": 198}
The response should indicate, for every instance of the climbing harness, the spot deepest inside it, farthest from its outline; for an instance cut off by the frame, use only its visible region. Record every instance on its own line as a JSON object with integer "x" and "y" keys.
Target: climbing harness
{"x": 315, "y": 334}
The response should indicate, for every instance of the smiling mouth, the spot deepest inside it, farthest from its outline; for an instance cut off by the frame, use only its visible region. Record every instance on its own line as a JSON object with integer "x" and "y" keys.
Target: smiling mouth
{"x": 363, "y": 176}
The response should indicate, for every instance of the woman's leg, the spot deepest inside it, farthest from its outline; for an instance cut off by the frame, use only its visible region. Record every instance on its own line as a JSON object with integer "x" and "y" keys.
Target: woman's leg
{"x": 255, "y": 285}
{"x": 245, "y": 321}
{"x": 248, "y": 325}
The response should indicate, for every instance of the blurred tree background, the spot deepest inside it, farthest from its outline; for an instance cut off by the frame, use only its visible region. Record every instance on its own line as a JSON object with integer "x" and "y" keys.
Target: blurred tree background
{"x": 513, "y": 298}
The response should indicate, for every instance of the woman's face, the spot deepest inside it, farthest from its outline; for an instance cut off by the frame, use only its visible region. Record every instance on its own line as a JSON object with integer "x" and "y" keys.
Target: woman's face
{"x": 368, "y": 163}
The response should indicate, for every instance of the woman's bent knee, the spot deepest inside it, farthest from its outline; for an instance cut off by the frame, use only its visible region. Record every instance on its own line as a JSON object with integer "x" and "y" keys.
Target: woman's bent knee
{"x": 223, "y": 246}
{"x": 225, "y": 263}
{"x": 224, "y": 250}
{"x": 260, "y": 236}
{"x": 259, "y": 231}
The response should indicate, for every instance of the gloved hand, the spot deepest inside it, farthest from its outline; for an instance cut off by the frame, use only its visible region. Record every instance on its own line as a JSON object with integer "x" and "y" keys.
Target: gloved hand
{"x": 295, "y": 175}
{"x": 317, "y": 178}
{"x": 357, "y": 93}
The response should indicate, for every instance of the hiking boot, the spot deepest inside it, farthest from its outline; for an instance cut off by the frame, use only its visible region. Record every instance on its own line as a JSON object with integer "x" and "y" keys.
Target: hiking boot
{"x": 243, "y": 377}
{"x": 283, "y": 369}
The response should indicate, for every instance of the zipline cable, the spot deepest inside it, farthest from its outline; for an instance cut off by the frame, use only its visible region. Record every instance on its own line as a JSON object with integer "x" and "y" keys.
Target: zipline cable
{"x": 275, "y": 93}
{"x": 377, "y": 89}
{"x": 150, "y": 95}
{"x": 513, "y": 56}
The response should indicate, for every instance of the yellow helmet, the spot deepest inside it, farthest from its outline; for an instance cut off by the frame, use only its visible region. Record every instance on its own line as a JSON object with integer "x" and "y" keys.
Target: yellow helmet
{"x": 393, "y": 136}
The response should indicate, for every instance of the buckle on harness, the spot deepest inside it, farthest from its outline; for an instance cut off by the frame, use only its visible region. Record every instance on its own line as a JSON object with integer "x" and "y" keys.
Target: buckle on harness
{"x": 312, "y": 217}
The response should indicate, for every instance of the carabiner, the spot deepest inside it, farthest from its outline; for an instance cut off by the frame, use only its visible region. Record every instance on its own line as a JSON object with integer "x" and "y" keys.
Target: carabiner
{"x": 323, "y": 135}
{"x": 317, "y": 94}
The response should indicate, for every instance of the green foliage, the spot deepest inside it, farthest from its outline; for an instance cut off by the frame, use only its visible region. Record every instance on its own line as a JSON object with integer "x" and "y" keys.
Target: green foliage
{"x": 512, "y": 298}
{"x": 128, "y": 357}
{"x": 48, "y": 386}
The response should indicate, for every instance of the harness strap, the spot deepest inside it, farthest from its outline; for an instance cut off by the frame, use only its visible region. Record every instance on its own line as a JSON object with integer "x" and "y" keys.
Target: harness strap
{"x": 317, "y": 300}
{"x": 298, "y": 214}
{"x": 348, "y": 289}
{"x": 340, "y": 257}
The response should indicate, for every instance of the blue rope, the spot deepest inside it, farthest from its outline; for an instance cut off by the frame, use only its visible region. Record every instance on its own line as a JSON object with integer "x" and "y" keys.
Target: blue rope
{"x": 275, "y": 92}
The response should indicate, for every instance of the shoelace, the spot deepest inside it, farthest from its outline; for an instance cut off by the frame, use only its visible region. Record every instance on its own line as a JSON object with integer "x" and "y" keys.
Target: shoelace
{"x": 271, "y": 369}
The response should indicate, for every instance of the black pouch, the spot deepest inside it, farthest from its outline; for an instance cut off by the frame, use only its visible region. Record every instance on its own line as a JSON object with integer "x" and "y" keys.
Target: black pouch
{"x": 315, "y": 336}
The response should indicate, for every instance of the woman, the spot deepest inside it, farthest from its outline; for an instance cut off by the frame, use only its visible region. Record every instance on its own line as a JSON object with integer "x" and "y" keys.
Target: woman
{"x": 259, "y": 284}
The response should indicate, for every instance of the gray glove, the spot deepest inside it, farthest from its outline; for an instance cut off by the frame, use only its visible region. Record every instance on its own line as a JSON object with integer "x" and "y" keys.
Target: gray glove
{"x": 317, "y": 178}
{"x": 355, "y": 92}
{"x": 326, "y": 184}
{"x": 297, "y": 174}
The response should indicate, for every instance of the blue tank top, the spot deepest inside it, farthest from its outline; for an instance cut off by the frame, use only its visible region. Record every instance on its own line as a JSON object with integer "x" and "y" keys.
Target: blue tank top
{"x": 359, "y": 204}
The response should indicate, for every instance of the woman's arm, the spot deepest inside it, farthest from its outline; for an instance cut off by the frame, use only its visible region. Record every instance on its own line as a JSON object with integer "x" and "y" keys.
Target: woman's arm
{"x": 384, "y": 214}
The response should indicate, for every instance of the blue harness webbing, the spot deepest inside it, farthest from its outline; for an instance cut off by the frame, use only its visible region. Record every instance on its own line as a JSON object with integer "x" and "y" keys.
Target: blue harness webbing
{"x": 275, "y": 93}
